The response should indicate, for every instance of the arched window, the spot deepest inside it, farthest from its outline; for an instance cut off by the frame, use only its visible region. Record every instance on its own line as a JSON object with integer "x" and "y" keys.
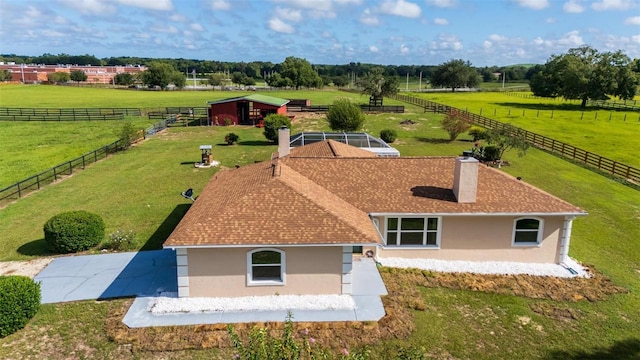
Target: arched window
{"x": 266, "y": 267}
{"x": 527, "y": 231}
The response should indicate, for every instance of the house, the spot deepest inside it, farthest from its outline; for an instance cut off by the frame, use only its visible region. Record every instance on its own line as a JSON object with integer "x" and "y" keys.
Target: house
{"x": 245, "y": 110}
{"x": 289, "y": 225}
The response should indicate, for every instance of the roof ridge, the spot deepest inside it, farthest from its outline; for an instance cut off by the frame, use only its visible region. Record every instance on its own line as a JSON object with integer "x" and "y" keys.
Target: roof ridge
{"x": 304, "y": 186}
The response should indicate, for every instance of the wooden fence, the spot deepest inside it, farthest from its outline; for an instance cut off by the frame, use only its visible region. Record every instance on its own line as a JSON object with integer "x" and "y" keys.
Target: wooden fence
{"x": 628, "y": 105}
{"x": 66, "y": 114}
{"x": 35, "y": 182}
{"x": 579, "y": 155}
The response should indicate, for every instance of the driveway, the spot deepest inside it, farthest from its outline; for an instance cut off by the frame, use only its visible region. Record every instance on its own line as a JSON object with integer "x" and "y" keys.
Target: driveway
{"x": 105, "y": 276}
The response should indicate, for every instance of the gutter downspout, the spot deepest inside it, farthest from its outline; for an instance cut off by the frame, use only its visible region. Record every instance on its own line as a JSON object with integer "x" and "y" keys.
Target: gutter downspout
{"x": 566, "y": 239}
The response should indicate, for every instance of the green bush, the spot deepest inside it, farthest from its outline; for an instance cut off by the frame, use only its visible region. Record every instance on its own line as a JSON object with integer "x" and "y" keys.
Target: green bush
{"x": 343, "y": 115}
{"x": 388, "y": 135}
{"x": 127, "y": 134}
{"x": 74, "y": 231}
{"x": 19, "y": 302}
{"x": 231, "y": 138}
{"x": 478, "y": 133}
{"x": 490, "y": 153}
{"x": 272, "y": 123}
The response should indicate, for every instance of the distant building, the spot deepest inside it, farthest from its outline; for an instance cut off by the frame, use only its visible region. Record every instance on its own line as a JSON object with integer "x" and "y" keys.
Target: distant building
{"x": 37, "y": 73}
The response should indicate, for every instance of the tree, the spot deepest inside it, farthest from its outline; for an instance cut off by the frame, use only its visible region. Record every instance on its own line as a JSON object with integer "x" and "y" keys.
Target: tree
{"x": 58, "y": 77}
{"x": 162, "y": 74}
{"x": 124, "y": 79}
{"x": 272, "y": 123}
{"x": 455, "y": 124}
{"x": 377, "y": 85}
{"x": 78, "y": 75}
{"x": 340, "y": 81}
{"x": 585, "y": 74}
{"x": 343, "y": 115}
{"x": 215, "y": 79}
{"x": 455, "y": 74}
{"x": 300, "y": 72}
{"x": 507, "y": 137}
{"x": 276, "y": 80}
{"x": 5, "y": 75}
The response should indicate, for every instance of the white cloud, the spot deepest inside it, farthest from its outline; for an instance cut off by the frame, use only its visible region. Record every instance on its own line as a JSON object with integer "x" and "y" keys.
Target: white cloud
{"x": 550, "y": 20}
{"x": 373, "y": 49}
{"x": 318, "y": 5}
{"x": 612, "y": 5}
{"x": 400, "y": 8}
{"x": 278, "y": 25}
{"x": 196, "y": 27}
{"x": 146, "y": 4}
{"x": 288, "y": 14}
{"x": 571, "y": 39}
{"x": 447, "y": 42}
{"x": 326, "y": 35}
{"x": 220, "y": 5}
{"x": 496, "y": 37}
{"x": 178, "y": 18}
{"x": 404, "y": 49}
{"x": 533, "y": 4}
{"x": 368, "y": 18}
{"x": 91, "y": 7}
{"x": 487, "y": 44}
{"x": 538, "y": 41}
{"x": 442, "y": 3}
{"x": 165, "y": 29}
{"x": 634, "y": 20}
{"x": 573, "y": 6}
{"x": 440, "y": 21}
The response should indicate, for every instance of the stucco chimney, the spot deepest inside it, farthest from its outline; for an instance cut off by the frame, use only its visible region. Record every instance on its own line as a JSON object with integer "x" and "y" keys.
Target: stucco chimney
{"x": 465, "y": 179}
{"x": 283, "y": 141}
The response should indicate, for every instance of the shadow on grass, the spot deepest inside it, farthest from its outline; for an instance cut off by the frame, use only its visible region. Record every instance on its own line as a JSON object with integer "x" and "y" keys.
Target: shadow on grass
{"x": 36, "y": 248}
{"x": 191, "y": 163}
{"x": 549, "y": 107}
{"x": 433, "y": 140}
{"x": 164, "y": 230}
{"x": 256, "y": 143}
{"x": 621, "y": 350}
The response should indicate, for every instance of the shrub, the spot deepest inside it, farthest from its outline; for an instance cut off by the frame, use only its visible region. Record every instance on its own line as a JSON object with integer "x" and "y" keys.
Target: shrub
{"x": 478, "y": 133}
{"x": 127, "y": 134}
{"x": 231, "y": 138}
{"x": 343, "y": 115}
{"x": 121, "y": 240}
{"x": 455, "y": 124}
{"x": 388, "y": 135}
{"x": 19, "y": 302}
{"x": 490, "y": 153}
{"x": 74, "y": 231}
{"x": 272, "y": 123}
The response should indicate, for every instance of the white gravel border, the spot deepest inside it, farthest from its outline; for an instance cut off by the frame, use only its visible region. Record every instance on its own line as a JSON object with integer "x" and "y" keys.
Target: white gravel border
{"x": 168, "y": 305}
{"x": 489, "y": 267}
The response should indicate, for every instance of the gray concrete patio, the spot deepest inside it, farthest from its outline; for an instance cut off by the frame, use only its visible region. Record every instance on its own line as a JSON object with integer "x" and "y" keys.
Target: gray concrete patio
{"x": 367, "y": 289}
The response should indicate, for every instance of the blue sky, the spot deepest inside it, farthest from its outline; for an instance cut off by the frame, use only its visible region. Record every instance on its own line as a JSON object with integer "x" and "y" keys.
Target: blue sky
{"x": 396, "y": 32}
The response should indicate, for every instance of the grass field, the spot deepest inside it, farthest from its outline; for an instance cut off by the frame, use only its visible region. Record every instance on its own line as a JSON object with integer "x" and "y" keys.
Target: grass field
{"x": 139, "y": 189}
{"x": 565, "y": 121}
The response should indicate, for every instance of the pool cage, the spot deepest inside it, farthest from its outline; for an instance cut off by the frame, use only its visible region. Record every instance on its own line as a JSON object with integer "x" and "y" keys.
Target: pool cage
{"x": 361, "y": 140}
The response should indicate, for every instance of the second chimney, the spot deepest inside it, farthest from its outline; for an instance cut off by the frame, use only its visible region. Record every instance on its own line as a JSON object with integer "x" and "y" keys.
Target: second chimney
{"x": 465, "y": 179}
{"x": 283, "y": 141}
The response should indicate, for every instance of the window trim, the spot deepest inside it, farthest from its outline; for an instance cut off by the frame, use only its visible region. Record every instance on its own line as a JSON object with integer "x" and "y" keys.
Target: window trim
{"x": 425, "y": 231}
{"x": 283, "y": 272}
{"x": 539, "y": 231}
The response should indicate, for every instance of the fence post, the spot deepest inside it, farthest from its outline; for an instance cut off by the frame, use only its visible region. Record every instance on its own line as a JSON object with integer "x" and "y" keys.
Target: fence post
{"x": 19, "y": 191}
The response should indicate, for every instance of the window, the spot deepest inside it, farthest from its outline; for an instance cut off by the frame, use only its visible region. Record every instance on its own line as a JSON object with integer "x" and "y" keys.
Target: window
{"x": 265, "y": 267}
{"x": 527, "y": 231}
{"x": 413, "y": 231}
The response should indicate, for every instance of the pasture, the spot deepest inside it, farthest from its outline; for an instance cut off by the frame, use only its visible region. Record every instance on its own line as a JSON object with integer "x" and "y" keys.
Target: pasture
{"x": 139, "y": 190}
{"x": 611, "y": 134}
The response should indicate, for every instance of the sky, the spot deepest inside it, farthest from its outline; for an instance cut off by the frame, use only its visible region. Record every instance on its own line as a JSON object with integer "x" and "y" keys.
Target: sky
{"x": 387, "y": 32}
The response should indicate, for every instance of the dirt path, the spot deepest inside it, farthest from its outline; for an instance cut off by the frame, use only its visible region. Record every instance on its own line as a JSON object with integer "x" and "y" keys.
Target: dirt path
{"x": 29, "y": 268}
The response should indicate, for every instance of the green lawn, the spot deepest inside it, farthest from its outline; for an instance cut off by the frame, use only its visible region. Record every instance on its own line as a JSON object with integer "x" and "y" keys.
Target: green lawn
{"x": 139, "y": 190}
{"x": 588, "y": 129}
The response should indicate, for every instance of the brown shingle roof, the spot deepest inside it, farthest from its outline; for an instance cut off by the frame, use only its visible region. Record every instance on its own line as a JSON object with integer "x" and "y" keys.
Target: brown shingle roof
{"x": 323, "y": 198}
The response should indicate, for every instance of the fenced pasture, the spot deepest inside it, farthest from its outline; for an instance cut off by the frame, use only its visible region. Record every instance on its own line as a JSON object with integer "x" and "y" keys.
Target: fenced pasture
{"x": 28, "y": 148}
{"x": 612, "y": 134}
{"x": 65, "y": 114}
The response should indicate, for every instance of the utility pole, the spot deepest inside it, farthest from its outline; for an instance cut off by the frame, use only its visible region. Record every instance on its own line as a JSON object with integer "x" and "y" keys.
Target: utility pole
{"x": 407, "y": 81}
{"x": 420, "y": 83}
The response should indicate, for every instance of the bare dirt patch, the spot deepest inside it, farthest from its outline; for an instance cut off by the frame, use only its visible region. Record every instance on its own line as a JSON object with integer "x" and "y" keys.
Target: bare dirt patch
{"x": 29, "y": 268}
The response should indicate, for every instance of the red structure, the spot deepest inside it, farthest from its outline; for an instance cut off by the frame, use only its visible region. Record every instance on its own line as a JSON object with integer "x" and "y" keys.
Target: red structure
{"x": 245, "y": 110}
